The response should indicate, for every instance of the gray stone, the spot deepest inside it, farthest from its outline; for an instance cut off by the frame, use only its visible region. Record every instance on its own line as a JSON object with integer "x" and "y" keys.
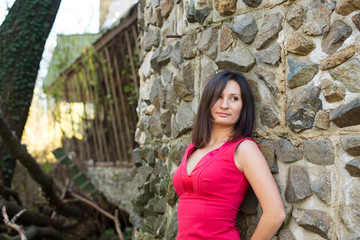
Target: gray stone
{"x": 252, "y": 3}
{"x": 137, "y": 159}
{"x": 349, "y": 210}
{"x": 196, "y": 15}
{"x": 288, "y": 211}
{"x": 317, "y": 20}
{"x": 245, "y": 28}
{"x": 155, "y": 3}
{"x": 272, "y": 25}
{"x": 332, "y": 92}
{"x": 303, "y": 107}
{"x": 356, "y": 20}
{"x": 337, "y": 58}
{"x": 168, "y": 98}
{"x": 267, "y": 148}
{"x": 322, "y": 187}
{"x": 208, "y": 42}
{"x": 165, "y": 54}
{"x": 255, "y": 90}
{"x": 154, "y": 93}
{"x": 184, "y": 82}
{"x": 270, "y": 55}
{"x": 353, "y": 167}
{"x": 226, "y": 7}
{"x": 154, "y": 127}
{"x": 171, "y": 196}
{"x": 157, "y": 205}
{"x": 248, "y": 206}
{"x": 171, "y": 227}
{"x": 206, "y": 73}
{"x": 285, "y": 234}
{"x": 346, "y": 115}
{"x": 151, "y": 38}
{"x": 166, "y": 8}
{"x": 286, "y": 152}
{"x": 299, "y": 45}
{"x": 183, "y": 121}
{"x": 313, "y": 220}
{"x": 166, "y": 76}
{"x": 147, "y": 224}
{"x": 238, "y": 60}
{"x": 176, "y": 152}
{"x": 348, "y": 73}
{"x": 351, "y": 144}
{"x": 226, "y": 38}
{"x": 154, "y": 60}
{"x": 187, "y": 45}
{"x": 155, "y": 17}
{"x": 295, "y": 15}
{"x": 161, "y": 153}
{"x": 269, "y": 78}
{"x": 300, "y": 73}
{"x": 345, "y": 7}
{"x": 322, "y": 120}
{"x": 320, "y": 152}
{"x": 160, "y": 226}
{"x": 141, "y": 199}
{"x": 298, "y": 184}
{"x": 268, "y": 116}
{"x": 338, "y": 33}
{"x": 143, "y": 175}
{"x": 175, "y": 55}
{"x": 165, "y": 119}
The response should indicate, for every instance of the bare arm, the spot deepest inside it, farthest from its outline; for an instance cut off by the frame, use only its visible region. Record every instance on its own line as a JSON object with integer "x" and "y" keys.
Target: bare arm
{"x": 254, "y": 165}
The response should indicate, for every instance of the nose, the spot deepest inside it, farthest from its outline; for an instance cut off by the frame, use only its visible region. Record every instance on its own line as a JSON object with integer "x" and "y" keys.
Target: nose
{"x": 224, "y": 104}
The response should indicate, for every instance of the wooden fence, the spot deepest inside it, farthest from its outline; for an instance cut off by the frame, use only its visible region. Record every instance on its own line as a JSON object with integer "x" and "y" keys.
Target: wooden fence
{"x": 106, "y": 77}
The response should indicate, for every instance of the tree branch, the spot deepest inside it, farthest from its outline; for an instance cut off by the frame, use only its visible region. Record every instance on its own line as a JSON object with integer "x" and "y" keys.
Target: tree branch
{"x": 46, "y": 182}
{"x": 102, "y": 211}
{"x": 30, "y": 216}
{"x": 12, "y": 223}
{"x": 34, "y": 233}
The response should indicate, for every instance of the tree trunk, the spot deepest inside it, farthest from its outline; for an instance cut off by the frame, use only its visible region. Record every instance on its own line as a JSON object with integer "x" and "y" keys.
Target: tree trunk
{"x": 45, "y": 181}
{"x": 22, "y": 39}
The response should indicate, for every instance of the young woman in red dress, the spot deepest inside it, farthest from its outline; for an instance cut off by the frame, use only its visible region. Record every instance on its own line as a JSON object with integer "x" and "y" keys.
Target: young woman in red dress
{"x": 221, "y": 164}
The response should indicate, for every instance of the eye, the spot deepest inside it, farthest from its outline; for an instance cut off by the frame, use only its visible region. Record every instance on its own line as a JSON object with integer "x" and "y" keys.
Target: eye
{"x": 235, "y": 98}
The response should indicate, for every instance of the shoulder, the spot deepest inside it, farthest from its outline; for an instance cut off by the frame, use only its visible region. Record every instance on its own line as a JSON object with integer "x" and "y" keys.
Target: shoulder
{"x": 247, "y": 146}
{"x": 247, "y": 150}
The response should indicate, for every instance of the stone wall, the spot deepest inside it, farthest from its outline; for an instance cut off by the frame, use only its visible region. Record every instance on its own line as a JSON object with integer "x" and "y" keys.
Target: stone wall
{"x": 117, "y": 184}
{"x": 302, "y": 61}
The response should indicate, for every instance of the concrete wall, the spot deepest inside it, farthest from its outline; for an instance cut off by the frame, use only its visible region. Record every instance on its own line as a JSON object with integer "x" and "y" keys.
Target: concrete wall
{"x": 302, "y": 61}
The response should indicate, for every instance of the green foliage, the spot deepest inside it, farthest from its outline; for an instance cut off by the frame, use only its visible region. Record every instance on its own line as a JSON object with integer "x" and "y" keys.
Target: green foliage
{"x": 47, "y": 167}
{"x": 109, "y": 234}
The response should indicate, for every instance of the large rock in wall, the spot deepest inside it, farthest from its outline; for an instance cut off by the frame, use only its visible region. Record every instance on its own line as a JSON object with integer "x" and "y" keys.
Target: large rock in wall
{"x": 302, "y": 62}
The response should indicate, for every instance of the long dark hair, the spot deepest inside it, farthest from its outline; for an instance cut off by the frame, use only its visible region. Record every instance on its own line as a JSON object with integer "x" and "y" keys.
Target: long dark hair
{"x": 203, "y": 122}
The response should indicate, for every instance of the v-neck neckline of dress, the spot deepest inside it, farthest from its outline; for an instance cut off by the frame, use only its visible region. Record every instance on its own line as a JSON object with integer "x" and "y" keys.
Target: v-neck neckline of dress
{"x": 198, "y": 164}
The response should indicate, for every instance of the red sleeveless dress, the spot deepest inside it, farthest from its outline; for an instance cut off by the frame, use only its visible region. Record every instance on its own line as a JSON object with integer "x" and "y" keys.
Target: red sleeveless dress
{"x": 210, "y": 197}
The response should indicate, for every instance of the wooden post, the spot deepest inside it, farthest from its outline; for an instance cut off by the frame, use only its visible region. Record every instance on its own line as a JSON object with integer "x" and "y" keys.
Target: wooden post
{"x": 129, "y": 49}
{"x": 96, "y": 135}
{"x": 116, "y": 103}
{"x": 123, "y": 107}
{"x": 110, "y": 91}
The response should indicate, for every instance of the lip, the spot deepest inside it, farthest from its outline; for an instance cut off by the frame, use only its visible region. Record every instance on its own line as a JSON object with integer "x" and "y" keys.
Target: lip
{"x": 223, "y": 114}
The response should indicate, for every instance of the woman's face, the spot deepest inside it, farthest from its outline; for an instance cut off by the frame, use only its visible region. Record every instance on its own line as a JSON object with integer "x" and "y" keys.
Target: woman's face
{"x": 226, "y": 110}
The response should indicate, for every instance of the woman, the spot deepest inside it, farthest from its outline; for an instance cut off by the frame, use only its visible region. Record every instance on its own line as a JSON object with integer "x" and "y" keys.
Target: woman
{"x": 220, "y": 165}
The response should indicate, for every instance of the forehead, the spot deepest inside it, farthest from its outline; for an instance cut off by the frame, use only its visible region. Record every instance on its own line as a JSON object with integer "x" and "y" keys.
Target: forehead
{"x": 232, "y": 87}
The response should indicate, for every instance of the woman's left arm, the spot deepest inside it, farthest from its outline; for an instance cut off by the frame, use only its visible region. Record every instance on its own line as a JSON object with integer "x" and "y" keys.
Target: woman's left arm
{"x": 257, "y": 172}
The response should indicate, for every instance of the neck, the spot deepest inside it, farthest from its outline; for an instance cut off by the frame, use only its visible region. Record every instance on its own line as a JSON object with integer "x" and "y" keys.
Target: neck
{"x": 220, "y": 134}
